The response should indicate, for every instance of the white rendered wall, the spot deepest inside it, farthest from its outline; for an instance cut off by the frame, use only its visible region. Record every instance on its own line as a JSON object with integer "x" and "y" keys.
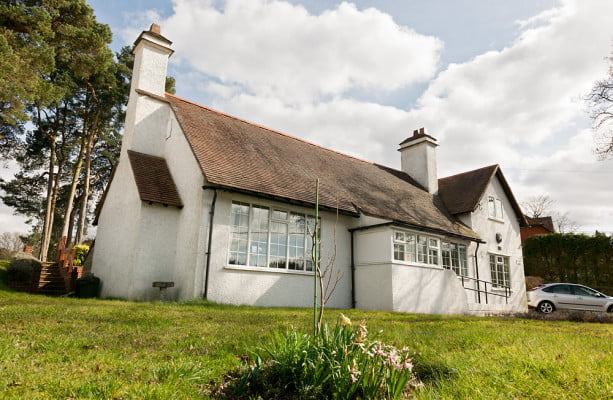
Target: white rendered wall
{"x": 155, "y": 252}
{"x": 266, "y": 286}
{"x": 117, "y": 234}
{"x": 384, "y": 284}
{"x": 510, "y": 247}
{"x": 427, "y": 291}
{"x": 193, "y": 221}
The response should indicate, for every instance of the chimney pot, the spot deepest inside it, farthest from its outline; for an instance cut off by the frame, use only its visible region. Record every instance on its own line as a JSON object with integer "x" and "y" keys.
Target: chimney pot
{"x": 422, "y": 131}
{"x": 155, "y": 28}
{"x": 415, "y": 132}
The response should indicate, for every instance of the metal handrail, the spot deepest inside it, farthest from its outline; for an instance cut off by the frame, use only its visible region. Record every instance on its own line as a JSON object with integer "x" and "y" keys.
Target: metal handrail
{"x": 507, "y": 289}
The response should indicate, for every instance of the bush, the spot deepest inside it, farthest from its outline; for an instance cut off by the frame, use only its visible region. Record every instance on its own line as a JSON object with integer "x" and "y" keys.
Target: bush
{"x": 80, "y": 254}
{"x": 340, "y": 362}
{"x": 20, "y": 271}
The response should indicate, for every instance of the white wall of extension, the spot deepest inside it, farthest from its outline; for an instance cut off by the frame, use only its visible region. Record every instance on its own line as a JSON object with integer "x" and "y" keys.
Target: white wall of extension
{"x": 509, "y": 246}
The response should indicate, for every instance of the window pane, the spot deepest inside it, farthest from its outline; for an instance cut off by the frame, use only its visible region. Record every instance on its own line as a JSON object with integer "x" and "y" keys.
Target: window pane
{"x": 422, "y": 249}
{"x": 498, "y": 208}
{"x": 279, "y": 214}
{"x": 491, "y": 208}
{"x": 399, "y": 236}
{"x": 433, "y": 251}
{"x": 258, "y": 246}
{"x": 463, "y": 260}
{"x": 239, "y": 234}
{"x": 399, "y": 253}
{"x": 278, "y": 245}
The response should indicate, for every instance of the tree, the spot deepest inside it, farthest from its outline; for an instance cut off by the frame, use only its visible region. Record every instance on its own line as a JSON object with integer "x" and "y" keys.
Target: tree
{"x": 11, "y": 241}
{"x": 537, "y": 206}
{"x": 564, "y": 224}
{"x": 600, "y": 101}
{"x": 25, "y": 56}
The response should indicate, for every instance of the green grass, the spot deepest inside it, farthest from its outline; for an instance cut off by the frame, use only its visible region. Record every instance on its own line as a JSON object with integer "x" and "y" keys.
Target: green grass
{"x": 60, "y": 348}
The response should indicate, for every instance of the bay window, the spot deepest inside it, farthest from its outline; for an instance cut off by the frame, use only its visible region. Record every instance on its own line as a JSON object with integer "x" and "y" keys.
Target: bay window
{"x": 268, "y": 237}
{"x": 429, "y": 250}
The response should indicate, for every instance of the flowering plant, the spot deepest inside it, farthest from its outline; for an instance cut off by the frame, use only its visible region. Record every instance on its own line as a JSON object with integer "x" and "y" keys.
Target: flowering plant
{"x": 343, "y": 362}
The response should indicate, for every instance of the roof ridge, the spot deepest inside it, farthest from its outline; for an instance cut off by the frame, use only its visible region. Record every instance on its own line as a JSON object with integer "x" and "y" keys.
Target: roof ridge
{"x": 273, "y": 130}
{"x": 470, "y": 172}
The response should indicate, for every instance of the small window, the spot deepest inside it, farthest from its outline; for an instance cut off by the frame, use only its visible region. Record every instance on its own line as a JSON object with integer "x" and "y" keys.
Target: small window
{"x": 494, "y": 208}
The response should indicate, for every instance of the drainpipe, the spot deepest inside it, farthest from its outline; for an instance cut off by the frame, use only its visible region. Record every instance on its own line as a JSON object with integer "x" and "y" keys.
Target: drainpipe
{"x": 208, "y": 252}
{"x": 477, "y": 273}
{"x": 352, "y": 274}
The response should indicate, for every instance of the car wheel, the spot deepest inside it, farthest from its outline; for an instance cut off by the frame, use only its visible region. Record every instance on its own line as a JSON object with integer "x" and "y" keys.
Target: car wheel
{"x": 546, "y": 307}
{"x": 610, "y": 309}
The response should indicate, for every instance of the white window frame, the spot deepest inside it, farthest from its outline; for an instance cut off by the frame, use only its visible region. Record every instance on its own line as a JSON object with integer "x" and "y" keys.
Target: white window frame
{"x": 457, "y": 257}
{"x": 406, "y": 248}
{"x": 500, "y": 271}
{"x": 275, "y": 216}
{"x": 494, "y": 208}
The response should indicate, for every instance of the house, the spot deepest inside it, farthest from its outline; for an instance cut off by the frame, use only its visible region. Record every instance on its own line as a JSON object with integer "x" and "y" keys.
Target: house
{"x": 537, "y": 226}
{"x": 224, "y": 209}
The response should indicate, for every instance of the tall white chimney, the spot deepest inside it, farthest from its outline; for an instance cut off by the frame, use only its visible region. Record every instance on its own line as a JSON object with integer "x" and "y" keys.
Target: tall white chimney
{"x": 418, "y": 159}
{"x": 151, "y": 52}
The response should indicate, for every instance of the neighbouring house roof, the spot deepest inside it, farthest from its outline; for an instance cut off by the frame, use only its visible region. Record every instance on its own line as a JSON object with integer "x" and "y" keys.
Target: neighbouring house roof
{"x": 545, "y": 222}
{"x": 462, "y": 193}
{"x": 153, "y": 179}
{"x": 238, "y": 155}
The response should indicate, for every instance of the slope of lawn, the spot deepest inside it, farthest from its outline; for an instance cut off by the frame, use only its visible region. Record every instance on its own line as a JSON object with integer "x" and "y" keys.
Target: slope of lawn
{"x": 63, "y": 348}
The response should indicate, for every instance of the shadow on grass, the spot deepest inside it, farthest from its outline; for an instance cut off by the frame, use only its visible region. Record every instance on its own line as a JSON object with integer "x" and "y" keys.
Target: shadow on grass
{"x": 4, "y": 287}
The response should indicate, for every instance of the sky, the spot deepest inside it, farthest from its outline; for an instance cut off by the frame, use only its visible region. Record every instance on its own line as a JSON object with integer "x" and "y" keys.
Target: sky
{"x": 494, "y": 81}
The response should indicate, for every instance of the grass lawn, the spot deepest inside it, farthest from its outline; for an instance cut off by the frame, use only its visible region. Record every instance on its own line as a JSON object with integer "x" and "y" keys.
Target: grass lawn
{"x": 62, "y": 348}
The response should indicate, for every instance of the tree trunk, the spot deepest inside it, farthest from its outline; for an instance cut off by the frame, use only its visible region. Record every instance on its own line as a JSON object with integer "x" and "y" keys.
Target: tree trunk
{"x": 48, "y": 219}
{"x": 73, "y": 188}
{"x": 91, "y": 140}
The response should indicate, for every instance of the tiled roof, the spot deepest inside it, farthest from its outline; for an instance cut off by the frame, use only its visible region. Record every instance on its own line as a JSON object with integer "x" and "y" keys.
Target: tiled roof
{"x": 239, "y": 155}
{"x": 545, "y": 222}
{"x": 153, "y": 179}
{"x": 462, "y": 193}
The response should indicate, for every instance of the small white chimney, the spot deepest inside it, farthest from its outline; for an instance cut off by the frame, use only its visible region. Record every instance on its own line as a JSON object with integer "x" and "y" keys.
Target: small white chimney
{"x": 418, "y": 159}
{"x": 151, "y": 52}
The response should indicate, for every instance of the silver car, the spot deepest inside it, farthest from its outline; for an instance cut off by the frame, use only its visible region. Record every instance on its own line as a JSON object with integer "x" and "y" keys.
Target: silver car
{"x": 568, "y": 296}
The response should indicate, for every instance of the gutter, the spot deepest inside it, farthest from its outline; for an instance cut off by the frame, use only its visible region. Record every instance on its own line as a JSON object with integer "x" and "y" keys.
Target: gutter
{"x": 417, "y": 228}
{"x": 208, "y": 252}
{"x": 281, "y": 199}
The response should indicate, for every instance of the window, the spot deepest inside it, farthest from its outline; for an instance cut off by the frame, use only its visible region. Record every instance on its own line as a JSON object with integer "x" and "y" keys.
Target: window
{"x": 267, "y": 237}
{"x": 454, "y": 257}
{"x": 494, "y": 207}
{"x": 404, "y": 246}
{"x": 428, "y": 250}
{"x": 558, "y": 289}
{"x": 499, "y": 268}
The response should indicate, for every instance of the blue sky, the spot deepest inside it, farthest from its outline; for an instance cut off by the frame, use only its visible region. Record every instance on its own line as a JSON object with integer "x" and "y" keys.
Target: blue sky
{"x": 495, "y": 81}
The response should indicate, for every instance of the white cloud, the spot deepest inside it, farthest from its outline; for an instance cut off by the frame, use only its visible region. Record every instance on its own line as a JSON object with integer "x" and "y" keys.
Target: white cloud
{"x": 276, "y": 49}
{"x": 522, "y": 107}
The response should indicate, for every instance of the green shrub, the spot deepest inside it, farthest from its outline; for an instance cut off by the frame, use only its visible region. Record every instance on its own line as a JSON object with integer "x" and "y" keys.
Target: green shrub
{"x": 20, "y": 271}
{"x": 80, "y": 254}
{"x": 340, "y": 362}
